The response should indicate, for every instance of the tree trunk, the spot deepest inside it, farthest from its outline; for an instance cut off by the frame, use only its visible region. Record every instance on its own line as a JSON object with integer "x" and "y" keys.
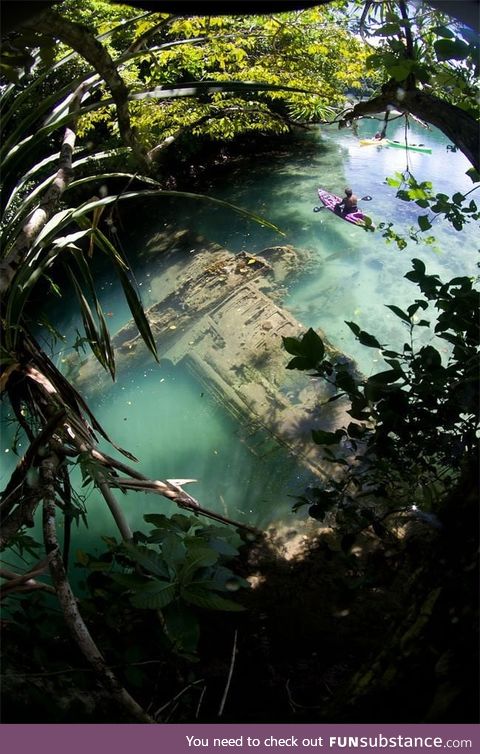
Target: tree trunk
{"x": 80, "y": 39}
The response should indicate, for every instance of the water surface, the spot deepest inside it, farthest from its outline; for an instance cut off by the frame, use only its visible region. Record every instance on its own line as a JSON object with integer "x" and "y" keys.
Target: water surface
{"x": 162, "y": 415}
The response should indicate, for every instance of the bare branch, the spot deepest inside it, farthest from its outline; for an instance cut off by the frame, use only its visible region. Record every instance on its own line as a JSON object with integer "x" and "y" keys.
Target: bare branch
{"x": 455, "y": 123}
{"x": 80, "y": 39}
{"x": 66, "y": 598}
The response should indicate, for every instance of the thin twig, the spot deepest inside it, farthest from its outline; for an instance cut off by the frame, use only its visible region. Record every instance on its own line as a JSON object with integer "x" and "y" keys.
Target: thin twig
{"x": 177, "y": 696}
{"x": 230, "y": 674}
{"x": 197, "y": 711}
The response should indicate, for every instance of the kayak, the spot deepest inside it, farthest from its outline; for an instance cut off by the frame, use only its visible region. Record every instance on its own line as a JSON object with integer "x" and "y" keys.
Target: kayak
{"x": 412, "y": 147}
{"x": 330, "y": 201}
{"x": 373, "y": 142}
{"x": 397, "y": 144}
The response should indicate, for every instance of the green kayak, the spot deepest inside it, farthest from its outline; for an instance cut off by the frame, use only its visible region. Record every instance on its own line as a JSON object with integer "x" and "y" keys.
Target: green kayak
{"x": 411, "y": 147}
{"x": 397, "y": 144}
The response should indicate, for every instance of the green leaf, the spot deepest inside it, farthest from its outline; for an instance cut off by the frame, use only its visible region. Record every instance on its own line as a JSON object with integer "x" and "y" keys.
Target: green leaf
{"x": 473, "y": 174}
{"x": 209, "y": 600}
{"x": 160, "y": 521}
{"x": 383, "y": 378}
{"x": 368, "y": 340}
{"x": 154, "y": 596}
{"x": 128, "y": 580}
{"x": 71, "y": 239}
{"x": 320, "y": 437}
{"x": 299, "y": 362}
{"x": 138, "y": 313}
{"x": 418, "y": 273}
{"x": 182, "y": 627}
{"x": 148, "y": 559}
{"x": 184, "y": 523}
{"x": 430, "y": 357}
{"x": 451, "y": 49}
{"x": 353, "y": 327}
{"x": 312, "y": 345}
{"x": 443, "y": 31}
{"x": 424, "y": 223}
{"x": 357, "y": 431}
{"x": 223, "y": 547}
{"x": 399, "y": 312}
{"x": 345, "y": 381}
{"x": 292, "y": 346}
{"x": 173, "y": 549}
{"x": 198, "y": 556}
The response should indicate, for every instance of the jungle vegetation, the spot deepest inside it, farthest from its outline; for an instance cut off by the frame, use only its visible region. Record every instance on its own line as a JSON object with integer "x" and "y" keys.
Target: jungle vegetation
{"x": 118, "y": 96}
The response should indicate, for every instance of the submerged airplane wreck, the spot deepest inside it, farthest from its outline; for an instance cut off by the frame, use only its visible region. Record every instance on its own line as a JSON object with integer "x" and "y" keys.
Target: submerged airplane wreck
{"x": 219, "y": 314}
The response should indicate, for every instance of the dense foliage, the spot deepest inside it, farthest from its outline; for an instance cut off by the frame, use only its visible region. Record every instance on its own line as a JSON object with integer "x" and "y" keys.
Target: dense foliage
{"x": 414, "y": 425}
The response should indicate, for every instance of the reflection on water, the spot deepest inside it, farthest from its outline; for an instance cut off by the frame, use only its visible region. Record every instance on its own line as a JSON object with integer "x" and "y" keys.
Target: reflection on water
{"x": 164, "y": 416}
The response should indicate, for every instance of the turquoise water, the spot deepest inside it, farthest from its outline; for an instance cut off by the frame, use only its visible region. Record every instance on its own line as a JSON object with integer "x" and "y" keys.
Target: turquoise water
{"x": 164, "y": 416}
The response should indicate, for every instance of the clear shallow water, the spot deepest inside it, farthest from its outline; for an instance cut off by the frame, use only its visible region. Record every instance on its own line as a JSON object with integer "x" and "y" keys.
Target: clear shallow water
{"x": 164, "y": 416}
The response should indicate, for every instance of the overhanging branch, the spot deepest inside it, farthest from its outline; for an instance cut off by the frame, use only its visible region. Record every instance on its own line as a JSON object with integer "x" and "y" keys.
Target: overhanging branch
{"x": 455, "y": 123}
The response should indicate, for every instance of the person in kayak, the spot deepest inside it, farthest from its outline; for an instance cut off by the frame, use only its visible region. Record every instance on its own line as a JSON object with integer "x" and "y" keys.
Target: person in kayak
{"x": 348, "y": 203}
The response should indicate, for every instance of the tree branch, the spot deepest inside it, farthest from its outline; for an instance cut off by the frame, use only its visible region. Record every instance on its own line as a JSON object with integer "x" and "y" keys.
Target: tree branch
{"x": 455, "y": 123}
{"x": 49, "y": 202}
{"x": 80, "y": 39}
{"x": 66, "y": 598}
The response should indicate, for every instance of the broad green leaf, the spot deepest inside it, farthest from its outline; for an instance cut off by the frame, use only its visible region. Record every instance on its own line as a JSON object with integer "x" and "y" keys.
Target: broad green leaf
{"x": 390, "y": 375}
{"x": 198, "y": 556}
{"x": 443, "y": 31}
{"x": 155, "y": 595}
{"x": 299, "y": 362}
{"x": 128, "y": 580}
{"x": 160, "y": 521}
{"x": 451, "y": 49}
{"x": 223, "y": 547}
{"x": 424, "y": 223}
{"x": 354, "y": 328}
{"x": 312, "y": 345}
{"x": 399, "y": 312}
{"x": 320, "y": 437}
{"x": 148, "y": 559}
{"x": 173, "y": 549}
{"x": 430, "y": 357}
{"x": 292, "y": 346}
{"x": 182, "y": 626}
{"x": 473, "y": 174}
{"x": 183, "y": 522}
{"x": 209, "y": 600}
{"x": 356, "y": 431}
{"x": 345, "y": 381}
{"x": 368, "y": 340}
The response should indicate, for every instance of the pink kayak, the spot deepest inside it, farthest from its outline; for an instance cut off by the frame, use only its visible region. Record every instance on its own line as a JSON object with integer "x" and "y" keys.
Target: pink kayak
{"x": 330, "y": 201}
